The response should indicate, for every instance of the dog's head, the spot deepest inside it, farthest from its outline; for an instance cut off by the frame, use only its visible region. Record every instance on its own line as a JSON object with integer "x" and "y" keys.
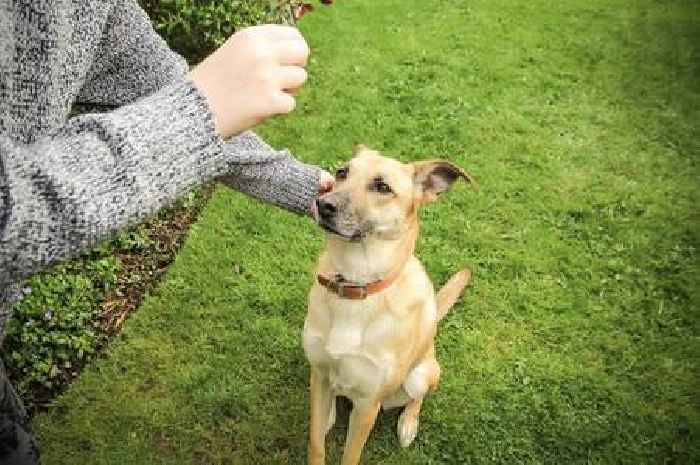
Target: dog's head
{"x": 376, "y": 196}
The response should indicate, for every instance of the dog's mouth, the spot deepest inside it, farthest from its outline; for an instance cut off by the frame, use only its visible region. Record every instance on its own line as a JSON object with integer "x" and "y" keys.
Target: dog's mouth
{"x": 354, "y": 237}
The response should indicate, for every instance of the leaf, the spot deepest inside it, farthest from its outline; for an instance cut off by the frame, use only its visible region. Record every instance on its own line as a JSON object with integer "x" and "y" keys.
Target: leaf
{"x": 301, "y": 9}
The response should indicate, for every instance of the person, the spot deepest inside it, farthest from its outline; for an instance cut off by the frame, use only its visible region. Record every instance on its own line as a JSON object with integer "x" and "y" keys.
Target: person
{"x": 67, "y": 182}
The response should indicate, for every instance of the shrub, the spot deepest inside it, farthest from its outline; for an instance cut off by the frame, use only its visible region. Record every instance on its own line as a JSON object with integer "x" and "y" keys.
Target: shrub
{"x": 195, "y": 28}
{"x": 54, "y": 328}
{"x": 68, "y": 312}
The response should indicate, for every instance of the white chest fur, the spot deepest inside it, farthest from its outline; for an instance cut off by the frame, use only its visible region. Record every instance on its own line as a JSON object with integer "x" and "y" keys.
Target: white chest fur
{"x": 361, "y": 345}
{"x": 349, "y": 344}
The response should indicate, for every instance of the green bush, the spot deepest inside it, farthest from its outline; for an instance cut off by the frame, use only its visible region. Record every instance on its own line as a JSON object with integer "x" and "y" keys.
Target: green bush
{"x": 195, "y": 28}
{"x": 54, "y": 328}
{"x": 61, "y": 323}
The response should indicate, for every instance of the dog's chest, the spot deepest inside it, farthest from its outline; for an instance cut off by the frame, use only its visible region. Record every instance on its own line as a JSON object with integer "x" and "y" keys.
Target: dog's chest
{"x": 351, "y": 348}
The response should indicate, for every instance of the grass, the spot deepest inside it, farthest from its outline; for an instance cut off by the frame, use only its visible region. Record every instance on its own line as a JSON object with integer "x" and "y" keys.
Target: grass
{"x": 578, "y": 342}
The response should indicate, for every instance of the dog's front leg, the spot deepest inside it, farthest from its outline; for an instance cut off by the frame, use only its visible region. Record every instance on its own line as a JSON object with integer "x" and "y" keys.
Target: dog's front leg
{"x": 362, "y": 419}
{"x": 321, "y": 404}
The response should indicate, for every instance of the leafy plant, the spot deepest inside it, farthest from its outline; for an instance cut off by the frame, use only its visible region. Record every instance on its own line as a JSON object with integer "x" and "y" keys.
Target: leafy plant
{"x": 53, "y": 328}
{"x": 69, "y": 311}
{"x": 195, "y": 28}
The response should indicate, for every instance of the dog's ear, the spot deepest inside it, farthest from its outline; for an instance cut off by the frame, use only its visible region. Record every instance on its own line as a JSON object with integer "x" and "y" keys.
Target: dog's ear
{"x": 434, "y": 177}
{"x": 359, "y": 148}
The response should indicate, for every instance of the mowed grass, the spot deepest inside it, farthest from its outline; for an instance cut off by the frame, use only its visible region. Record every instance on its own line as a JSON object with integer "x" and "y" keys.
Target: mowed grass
{"x": 578, "y": 340}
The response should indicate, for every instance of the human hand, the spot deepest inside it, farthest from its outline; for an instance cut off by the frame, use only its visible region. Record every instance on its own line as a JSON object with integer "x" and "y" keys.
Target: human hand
{"x": 325, "y": 184}
{"x": 252, "y": 76}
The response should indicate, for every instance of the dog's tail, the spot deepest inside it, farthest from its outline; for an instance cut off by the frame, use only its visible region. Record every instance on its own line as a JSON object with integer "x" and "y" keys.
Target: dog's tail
{"x": 450, "y": 292}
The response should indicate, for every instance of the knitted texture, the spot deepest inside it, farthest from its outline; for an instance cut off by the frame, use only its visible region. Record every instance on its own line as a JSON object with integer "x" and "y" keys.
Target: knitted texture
{"x": 67, "y": 182}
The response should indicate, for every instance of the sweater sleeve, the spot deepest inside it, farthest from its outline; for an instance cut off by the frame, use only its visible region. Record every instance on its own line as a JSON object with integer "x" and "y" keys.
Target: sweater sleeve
{"x": 100, "y": 172}
{"x": 133, "y": 61}
{"x": 271, "y": 176}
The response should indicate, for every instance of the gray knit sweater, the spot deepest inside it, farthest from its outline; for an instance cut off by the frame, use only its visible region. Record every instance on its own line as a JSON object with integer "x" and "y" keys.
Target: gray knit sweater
{"x": 65, "y": 182}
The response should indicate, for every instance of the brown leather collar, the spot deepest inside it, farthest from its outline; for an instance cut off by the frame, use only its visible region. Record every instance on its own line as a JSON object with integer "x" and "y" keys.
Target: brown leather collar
{"x": 356, "y": 291}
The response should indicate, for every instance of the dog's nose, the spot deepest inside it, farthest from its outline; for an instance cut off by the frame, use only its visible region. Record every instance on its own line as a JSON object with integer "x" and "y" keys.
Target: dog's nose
{"x": 326, "y": 209}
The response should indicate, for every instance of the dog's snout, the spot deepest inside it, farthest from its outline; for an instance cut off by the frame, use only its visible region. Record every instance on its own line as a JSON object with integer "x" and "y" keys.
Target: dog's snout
{"x": 326, "y": 208}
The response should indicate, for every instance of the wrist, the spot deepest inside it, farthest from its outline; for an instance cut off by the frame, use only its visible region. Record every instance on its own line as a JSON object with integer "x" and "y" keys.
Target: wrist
{"x": 201, "y": 81}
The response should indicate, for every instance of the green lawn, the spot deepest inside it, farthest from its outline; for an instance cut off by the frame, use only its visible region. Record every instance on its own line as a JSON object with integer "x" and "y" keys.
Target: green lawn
{"x": 578, "y": 341}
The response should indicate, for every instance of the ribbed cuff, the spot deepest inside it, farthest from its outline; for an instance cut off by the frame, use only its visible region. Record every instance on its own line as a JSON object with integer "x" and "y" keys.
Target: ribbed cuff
{"x": 200, "y": 131}
{"x": 176, "y": 128}
{"x": 298, "y": 185}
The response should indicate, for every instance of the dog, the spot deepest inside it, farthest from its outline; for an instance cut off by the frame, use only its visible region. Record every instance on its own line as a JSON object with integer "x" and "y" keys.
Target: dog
{"x": 373, "y": 313}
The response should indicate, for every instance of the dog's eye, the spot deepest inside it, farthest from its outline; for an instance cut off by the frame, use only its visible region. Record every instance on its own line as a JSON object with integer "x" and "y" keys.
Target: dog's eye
{"x": 341, "y": 174}
{"x": 378, "y": 185}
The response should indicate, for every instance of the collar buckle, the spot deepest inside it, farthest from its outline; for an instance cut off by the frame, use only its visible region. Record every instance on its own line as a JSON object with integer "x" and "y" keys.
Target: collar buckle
{"x": 349, "y": 291}
{"x": 344, "y": 289}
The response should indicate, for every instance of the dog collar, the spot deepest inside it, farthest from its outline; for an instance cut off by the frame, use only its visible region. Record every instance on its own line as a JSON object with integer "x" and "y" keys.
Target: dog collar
{"x": 355, "y": 291}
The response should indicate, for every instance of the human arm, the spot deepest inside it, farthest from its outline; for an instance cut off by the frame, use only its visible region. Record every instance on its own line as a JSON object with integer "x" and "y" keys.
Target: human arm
{"x": 243, "y": 82}
{"x": 99, "y": 173}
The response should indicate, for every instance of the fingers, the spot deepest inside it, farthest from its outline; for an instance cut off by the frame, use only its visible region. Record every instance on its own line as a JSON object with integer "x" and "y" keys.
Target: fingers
{"x": 325, "y": 182}
{"x": 283, "y": 103}
{"x": 278, "y": 31}
{"x": 325, "y": 185}
{"x": 292, "y": 77}
{"x": 292, "y": 55}
{"x": 292, "y": 52}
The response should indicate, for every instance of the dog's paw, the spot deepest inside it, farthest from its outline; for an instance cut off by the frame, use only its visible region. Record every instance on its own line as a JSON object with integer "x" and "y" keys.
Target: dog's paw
{"x": 407, "y": 428}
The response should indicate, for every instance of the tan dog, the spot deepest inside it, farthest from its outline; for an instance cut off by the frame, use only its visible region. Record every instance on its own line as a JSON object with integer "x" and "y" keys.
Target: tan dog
{"x": 373, "y": 314}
